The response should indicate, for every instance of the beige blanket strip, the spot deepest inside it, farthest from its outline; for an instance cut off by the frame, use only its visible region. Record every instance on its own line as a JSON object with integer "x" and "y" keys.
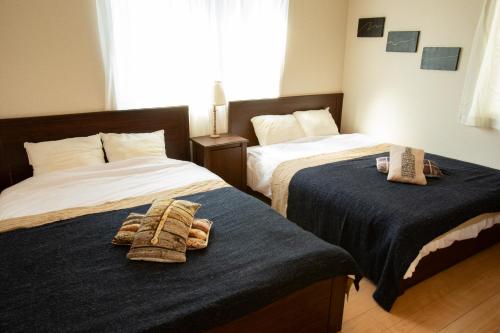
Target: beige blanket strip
{"x": 286, "y": 170}
{"x": 50, "y": 217}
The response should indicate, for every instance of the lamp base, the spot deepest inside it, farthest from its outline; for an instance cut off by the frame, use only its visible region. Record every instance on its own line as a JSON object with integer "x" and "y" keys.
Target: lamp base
{"x": 214, "y": 134}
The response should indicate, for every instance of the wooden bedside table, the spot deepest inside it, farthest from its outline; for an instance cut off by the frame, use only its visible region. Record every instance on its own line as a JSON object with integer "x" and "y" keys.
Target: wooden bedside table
{"x": 225, "y": 156}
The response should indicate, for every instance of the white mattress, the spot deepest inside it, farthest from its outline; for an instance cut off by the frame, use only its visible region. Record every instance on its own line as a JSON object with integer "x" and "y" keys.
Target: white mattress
{"x": 263, "y": 160}
{"x": 94, "y": 185}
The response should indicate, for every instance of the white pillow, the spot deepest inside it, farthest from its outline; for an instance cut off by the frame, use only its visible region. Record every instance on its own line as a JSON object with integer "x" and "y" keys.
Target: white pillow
{"x": 129, "y": 145}
{"x": 271, "y": 129}
{"x": 317, "y": 122}
{"x": 64, "y": 154}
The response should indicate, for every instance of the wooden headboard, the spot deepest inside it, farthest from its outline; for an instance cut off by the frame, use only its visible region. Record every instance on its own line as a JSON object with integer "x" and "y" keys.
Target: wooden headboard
{"x": 14, "y": 166}
{"x": 240, "y": 112}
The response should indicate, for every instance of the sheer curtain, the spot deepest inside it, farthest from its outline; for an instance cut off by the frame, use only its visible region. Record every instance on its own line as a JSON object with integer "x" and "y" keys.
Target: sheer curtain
{"x": 169, "y": 52}
{"x": 480, "y": 105}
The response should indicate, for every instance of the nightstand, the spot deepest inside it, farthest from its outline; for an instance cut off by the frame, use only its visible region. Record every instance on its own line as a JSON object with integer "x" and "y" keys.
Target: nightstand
{"x": 225, "y": 156}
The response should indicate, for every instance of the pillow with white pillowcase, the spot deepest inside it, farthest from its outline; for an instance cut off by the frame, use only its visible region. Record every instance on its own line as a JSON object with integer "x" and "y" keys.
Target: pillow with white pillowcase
{"x": 271, "y": 129}
{"x": 317, "y": 122}
{"x": 124, "y": 146}
{"x": 48, "y": 156}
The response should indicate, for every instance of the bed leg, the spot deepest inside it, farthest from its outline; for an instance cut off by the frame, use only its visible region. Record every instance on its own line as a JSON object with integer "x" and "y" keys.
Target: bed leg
{"x": 337, "y": 297}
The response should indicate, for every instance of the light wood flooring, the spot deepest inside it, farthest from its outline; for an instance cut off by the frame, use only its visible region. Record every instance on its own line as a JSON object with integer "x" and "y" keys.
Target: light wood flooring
{"x": 463, "y": 298}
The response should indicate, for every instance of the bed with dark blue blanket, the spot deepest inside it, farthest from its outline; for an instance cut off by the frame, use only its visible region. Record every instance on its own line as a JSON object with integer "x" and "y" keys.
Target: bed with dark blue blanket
{"x": 383, "y": 224}
{"x": 66, "y": 276}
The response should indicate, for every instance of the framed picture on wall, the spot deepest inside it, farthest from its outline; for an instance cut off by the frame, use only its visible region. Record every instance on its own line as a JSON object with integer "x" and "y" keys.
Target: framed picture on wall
{"x": 371, "y": 27}
{"x": 402, "y": 41}
{"x": 440, "y": 58}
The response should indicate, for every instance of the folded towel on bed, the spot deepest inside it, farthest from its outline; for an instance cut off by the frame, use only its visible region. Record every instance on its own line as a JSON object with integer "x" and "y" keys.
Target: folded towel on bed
{"x": 431, "y": 169}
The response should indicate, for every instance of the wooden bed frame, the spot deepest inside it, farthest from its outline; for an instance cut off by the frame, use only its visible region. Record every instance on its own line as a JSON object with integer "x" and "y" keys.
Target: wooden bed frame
{"x": 240, "y": 113}
{"x": 318, "y": 307}
{"x": 14, "y": 166}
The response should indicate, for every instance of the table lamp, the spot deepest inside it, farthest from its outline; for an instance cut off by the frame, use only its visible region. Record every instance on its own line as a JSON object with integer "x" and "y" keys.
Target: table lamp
{"x": 218, "y": 99}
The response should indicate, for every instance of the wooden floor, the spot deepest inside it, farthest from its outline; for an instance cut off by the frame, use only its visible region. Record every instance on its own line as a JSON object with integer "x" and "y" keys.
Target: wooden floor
{"x": 464, "y": 298}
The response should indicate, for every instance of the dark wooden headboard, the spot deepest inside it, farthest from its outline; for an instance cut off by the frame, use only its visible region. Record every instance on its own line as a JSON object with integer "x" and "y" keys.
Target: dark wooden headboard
{"x": 14, "y": 166}
{"x": 240, "y": 112}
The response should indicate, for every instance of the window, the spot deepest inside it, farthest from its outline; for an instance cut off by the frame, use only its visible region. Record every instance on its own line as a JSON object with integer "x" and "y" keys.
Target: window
{"x": 169, "y": 52}
{"x": 480, "y": 105}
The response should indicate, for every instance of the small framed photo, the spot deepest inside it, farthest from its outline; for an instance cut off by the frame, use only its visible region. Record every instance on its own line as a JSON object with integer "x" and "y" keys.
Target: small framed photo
{"x": 371, "y": 27}
{"x": 440, "y": 58}
{"x": 402, "y": 41}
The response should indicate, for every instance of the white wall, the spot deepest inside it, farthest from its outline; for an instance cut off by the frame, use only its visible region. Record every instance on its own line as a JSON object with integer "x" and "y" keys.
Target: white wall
{"x": 315, "y": 47}
{"x": 50, "y": 61}
{"x": 389, "y": 97}
{"x": 49, "y": 58}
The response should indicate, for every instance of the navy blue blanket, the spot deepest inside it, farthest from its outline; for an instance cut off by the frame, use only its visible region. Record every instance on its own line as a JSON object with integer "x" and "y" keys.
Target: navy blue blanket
{"x": 67, "y": 276}
{"x": 383, "y": 224}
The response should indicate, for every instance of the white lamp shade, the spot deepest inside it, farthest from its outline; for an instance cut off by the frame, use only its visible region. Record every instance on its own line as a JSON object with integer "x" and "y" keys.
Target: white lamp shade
{"x": 218, "y": 98}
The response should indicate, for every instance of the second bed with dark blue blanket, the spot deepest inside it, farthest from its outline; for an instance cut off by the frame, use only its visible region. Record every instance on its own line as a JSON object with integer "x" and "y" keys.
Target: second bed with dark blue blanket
{"x": 67, "y": 276}
{"x": 383, "y": 224}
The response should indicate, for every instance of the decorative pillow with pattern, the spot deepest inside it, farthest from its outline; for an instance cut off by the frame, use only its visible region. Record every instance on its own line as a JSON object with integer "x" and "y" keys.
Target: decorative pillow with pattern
{"x": 126, "y": 234}
{"x": 407, "y": 165}
{"x": 163, "y": 233}
{"x": 431, "y": 169}
{"x": 198, "y": 235}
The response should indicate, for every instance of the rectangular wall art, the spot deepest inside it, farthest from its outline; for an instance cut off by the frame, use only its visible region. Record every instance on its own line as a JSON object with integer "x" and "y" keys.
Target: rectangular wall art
{"x": 440, "y": 58}
{"x": 402, "y": 41}
{"x": 371, "y": 27}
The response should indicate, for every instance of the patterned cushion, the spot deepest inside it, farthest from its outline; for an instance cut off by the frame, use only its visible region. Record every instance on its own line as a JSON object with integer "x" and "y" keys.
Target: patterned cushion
{"x": 127, "y": 231}
{"x": 197, "y": 239}
{"x": 431, "y": 169}
{"x": 199, "y": 234}
{"x": 407, "y": 165}
{"x": 163, "y": 232}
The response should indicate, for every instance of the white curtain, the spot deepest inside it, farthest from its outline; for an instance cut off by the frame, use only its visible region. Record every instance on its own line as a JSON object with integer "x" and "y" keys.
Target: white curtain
{"x": 480, "y": 105}
{"x": 169, "y": 52}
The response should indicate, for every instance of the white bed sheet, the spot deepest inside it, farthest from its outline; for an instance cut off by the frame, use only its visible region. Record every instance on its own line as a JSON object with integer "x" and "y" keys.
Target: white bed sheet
{"x": 263, "y": 160}
{"x": 90, "y": 186}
